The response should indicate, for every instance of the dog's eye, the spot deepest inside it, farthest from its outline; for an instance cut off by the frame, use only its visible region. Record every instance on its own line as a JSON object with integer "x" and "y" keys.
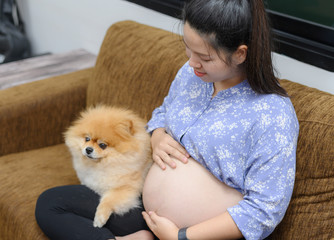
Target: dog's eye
{"x": 87, "y": 139}
{"x": 103, "y": 146}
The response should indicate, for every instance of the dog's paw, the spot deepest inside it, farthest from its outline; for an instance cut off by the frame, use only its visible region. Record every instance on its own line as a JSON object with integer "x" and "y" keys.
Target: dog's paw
{"x": 101, "y": 217}
{"x": 99, "y": 222}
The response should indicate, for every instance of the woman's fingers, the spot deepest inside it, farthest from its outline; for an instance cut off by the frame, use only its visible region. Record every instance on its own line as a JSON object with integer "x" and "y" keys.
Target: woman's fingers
{"x": 147, "y": 219}
{"x": 183, "y": 152}
{"x": 170, "y": 162}
{"x": 161, "y": 158}
{"x": 166, "y": 149}
{"x": 177, "y": 151}
{"x": 159, "y": 161}
{"x": 168, "y": 154}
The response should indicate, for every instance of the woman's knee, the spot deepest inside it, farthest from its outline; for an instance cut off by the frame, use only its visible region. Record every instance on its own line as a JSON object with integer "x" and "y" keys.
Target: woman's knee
{"x": 65, "y": 199}
{"x": 46, "y": 203}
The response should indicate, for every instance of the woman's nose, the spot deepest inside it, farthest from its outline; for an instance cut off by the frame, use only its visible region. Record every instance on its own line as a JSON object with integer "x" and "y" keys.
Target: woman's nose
{"x": 194, "y": 63}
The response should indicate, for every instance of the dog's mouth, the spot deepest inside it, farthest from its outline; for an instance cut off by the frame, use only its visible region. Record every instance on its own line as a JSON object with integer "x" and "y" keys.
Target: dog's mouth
{"x": 90, "y": 153}
{"x": 95, "y": 159}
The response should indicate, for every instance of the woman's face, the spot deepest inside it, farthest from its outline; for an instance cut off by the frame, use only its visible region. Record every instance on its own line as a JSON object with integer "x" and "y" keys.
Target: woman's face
{"x": 207, "y": 64}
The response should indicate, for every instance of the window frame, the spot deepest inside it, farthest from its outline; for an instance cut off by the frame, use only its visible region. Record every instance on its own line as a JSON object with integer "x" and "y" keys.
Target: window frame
{"x": 302, "y": 40}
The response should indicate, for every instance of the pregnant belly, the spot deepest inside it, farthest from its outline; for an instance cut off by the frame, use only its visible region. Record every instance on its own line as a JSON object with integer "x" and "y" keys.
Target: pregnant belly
{"x": 188, "y": 194}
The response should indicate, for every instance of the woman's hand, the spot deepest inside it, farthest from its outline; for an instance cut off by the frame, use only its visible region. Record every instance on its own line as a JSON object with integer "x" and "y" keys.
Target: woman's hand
{"x": 162, "y": 227}
{"x": 165, "y": 147}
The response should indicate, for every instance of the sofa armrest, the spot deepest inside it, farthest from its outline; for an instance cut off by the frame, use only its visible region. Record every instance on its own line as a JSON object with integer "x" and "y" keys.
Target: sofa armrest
{"x": 35, "y": 114}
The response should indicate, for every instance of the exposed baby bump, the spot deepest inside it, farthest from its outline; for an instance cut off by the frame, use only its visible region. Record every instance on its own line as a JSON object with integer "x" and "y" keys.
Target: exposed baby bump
{"x": 188, "y": 194}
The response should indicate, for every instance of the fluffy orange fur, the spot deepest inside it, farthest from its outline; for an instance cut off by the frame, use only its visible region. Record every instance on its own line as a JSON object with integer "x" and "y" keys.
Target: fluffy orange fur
{"x": 111, "y": 155}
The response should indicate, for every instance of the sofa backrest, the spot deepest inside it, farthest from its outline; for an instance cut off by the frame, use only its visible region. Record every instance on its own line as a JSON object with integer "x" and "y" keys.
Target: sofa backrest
{"x": 311, "y": 211}
{"x": 135, "y": 67}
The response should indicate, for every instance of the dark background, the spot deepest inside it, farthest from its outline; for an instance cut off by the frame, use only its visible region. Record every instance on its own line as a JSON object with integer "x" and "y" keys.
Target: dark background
{"x": 303, "y": 29}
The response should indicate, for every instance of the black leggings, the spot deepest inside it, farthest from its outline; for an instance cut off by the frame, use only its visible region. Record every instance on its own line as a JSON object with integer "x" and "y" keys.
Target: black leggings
{"x": 66, "y": 213}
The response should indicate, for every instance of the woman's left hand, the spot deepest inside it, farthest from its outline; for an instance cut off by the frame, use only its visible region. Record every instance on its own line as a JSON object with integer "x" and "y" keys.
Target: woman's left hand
{"x": 162, "y": 227}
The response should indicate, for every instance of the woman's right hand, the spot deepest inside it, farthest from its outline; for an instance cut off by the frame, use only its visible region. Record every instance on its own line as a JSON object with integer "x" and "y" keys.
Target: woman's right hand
{"x": 164, "y": 148}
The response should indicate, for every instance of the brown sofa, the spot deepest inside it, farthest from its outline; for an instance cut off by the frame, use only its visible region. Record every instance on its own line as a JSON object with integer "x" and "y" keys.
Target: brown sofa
{"x": 135, "y": 67}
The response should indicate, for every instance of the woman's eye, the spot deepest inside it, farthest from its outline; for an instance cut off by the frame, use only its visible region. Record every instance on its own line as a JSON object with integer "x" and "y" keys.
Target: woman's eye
{"x": 103, "y": 146}
{"x": 87, "y": 139}
{"x": 206, "y": 59}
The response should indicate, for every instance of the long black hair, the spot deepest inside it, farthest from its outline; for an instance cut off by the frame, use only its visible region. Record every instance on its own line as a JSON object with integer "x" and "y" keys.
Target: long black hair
{"x": 227, "y": 24}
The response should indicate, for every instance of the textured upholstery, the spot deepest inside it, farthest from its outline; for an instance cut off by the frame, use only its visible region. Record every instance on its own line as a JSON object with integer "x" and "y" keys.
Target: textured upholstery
{"x": 135, "y": 67}
{"x": 23, "y": 176}
{"x": 33, "y": 115}
{"x": 311, "y": 211}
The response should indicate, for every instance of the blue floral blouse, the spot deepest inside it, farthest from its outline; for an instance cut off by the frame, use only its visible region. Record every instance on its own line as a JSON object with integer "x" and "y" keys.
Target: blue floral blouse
{"x": 247, "y": 140}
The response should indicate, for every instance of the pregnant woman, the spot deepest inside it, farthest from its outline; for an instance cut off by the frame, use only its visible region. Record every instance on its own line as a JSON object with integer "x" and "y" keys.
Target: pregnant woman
{"x": 226, "y": 110}
{"x": 224, "y": 142}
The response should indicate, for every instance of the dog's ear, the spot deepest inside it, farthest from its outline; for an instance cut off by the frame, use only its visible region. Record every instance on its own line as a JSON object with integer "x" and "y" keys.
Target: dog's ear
{"x": 127, "y": 127}
{"x": 125, "y": 132}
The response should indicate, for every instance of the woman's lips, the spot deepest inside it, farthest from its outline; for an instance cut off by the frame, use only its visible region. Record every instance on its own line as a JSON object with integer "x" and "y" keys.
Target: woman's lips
{"x": 199, "y": 74}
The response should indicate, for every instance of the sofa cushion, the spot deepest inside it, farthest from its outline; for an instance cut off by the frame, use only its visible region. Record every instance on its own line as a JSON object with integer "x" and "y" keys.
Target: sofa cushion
{"x": 135, "y": 67}
{"x": 23, "y": 177}
{"x": 52, "y": 103}
{"x": 311, "y": 211}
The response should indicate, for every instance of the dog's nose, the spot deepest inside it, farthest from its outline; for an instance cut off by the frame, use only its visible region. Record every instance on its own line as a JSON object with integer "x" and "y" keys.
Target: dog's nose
{"x": 89, "y": 150}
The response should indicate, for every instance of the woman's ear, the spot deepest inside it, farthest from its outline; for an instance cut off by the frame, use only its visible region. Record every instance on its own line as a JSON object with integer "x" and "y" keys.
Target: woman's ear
{"x": 239, "y": 56}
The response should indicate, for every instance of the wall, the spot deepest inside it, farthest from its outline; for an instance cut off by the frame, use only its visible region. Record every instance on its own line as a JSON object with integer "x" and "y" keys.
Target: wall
{"x": 64, "y": 25}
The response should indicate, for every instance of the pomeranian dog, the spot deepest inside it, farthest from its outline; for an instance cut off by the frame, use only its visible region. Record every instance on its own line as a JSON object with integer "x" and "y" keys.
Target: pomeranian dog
{"x": 111, "y": 155}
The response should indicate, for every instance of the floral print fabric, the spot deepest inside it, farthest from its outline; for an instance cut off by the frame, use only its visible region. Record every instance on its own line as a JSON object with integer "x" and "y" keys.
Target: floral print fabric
{"x": 247, "y": 140}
